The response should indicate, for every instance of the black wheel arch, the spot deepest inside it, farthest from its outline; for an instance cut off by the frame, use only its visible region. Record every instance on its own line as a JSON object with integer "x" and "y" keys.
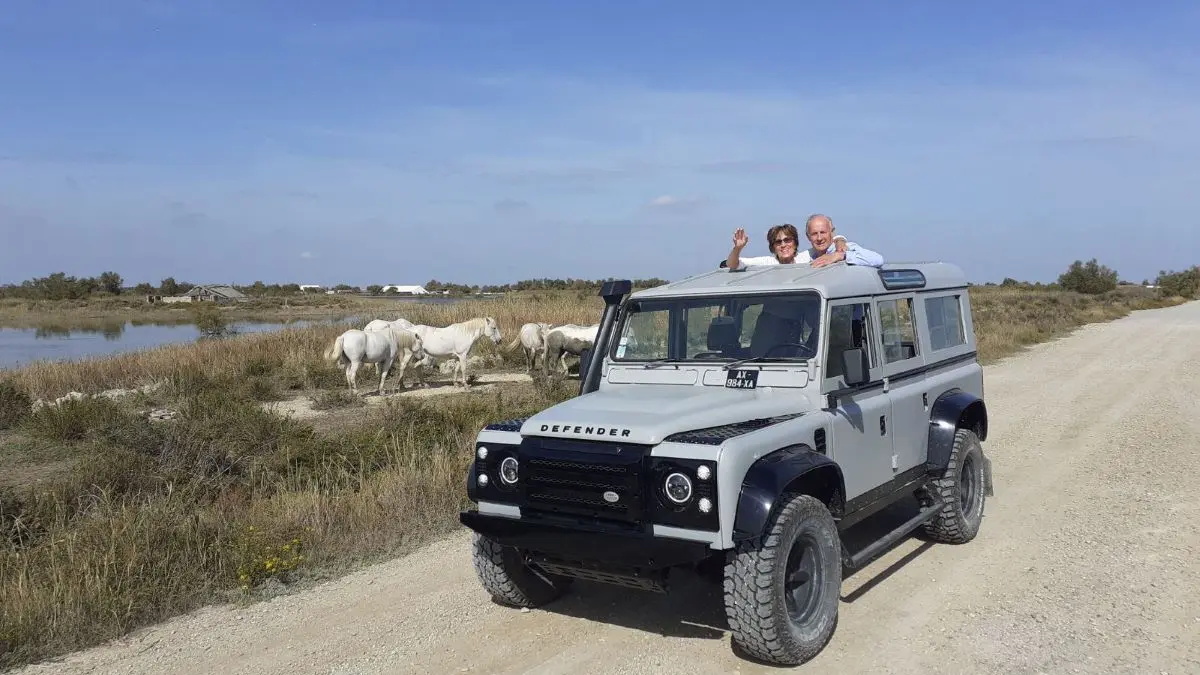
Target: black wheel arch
{"x": 794, "y": 469}
{"x": 953, "y": 410}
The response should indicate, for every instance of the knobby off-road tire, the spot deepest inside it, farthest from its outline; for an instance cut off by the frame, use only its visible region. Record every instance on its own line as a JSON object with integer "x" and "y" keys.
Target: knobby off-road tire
{"x": 766, "y": 620}
{"x": 962, "y": 490}
{"x": 509, "y": 580}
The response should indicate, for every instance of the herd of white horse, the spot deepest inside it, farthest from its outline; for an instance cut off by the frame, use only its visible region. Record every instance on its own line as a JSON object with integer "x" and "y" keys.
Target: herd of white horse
{"x": 386, "y": 344}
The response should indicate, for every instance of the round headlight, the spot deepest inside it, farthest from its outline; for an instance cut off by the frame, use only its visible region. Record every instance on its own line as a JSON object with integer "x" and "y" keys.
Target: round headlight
{"x": 508, "y": 470}
{"x": 482, "y": 452}
{"x": 703, "y": 472}
{"x": 678, "y": 488}
{"x": 705, "y": 505}
{"x": 482, "y": 479}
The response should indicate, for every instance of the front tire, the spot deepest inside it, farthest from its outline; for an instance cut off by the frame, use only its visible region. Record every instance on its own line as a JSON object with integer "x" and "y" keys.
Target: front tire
{"x": 504, "y": 574}
{"x": 962, "y": 489}
{"x": 781, "y": 592}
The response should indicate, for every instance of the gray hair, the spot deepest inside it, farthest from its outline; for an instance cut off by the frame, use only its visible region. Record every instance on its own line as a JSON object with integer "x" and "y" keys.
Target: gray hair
{"x": 815, "y": 216}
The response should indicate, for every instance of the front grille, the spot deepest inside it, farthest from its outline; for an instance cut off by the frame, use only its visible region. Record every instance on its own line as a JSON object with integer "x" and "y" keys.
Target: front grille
{"x": 571, "y": 478}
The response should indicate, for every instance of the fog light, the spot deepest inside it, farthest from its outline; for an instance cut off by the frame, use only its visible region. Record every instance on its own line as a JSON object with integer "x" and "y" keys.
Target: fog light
{"x": 705, "y": 505}
{"x": 508, "y": 470}
{"x": 482, "y": 452}
{"x": 482, "y": 480}
{"x": 678, "y": 488}
{"x": 703, "y": 472}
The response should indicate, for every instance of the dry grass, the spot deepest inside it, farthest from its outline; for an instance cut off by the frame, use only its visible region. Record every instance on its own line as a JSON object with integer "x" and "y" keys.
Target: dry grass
{"x": 1007, "y": 320}
{"x": 150, "y": 520}
{"x": 128, "y": 522}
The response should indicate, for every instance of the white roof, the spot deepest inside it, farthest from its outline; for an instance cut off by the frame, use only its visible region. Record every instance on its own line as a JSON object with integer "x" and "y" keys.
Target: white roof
{"x": 835, "y": 281}
{"x": 415, "y": 288}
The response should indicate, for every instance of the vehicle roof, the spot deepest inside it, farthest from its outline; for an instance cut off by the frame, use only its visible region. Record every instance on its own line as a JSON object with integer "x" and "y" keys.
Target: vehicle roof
{"x": 834, "y": 281}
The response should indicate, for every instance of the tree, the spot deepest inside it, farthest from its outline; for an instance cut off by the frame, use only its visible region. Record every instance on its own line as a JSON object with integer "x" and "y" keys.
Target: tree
{"x": 111, "y": 282}
{"x": 1091, "y": 278}
{"x": 169, "y": 286}
{"x": 1185, "y": 284}
{"x": 143, "y": 289}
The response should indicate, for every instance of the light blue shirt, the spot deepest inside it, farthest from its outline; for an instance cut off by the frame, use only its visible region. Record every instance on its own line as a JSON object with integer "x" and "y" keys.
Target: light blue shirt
{"x": 855, "y": 255}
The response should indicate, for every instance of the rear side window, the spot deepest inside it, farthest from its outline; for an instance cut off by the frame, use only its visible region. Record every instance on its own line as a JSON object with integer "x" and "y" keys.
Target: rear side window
{"x": 945, "y": 322}
{"x": 899, "y": 333}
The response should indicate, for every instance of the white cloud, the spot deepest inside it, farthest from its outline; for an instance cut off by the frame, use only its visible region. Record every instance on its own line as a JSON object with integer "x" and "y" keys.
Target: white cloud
{"x": 673, "y": 203}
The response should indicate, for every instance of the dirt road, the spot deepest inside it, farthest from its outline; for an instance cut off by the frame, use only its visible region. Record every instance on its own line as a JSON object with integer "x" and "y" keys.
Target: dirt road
{"x": 1088, "y": 561}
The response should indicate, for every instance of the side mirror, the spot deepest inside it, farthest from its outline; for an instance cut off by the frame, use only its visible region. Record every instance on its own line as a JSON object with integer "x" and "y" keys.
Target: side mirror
{"x": 855, "y": 369}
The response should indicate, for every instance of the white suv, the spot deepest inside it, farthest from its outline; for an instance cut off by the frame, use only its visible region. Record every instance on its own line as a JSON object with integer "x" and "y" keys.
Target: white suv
{"x": 739, "y": 423}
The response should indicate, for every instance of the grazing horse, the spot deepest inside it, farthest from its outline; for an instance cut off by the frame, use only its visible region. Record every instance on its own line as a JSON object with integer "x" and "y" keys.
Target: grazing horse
{"x": 380, "y": 324}
{"x": 456, "y": 340}
{"x": 380, "y": 347}
{"x": 532, "y": 339}
{"x": 573, "y": 340}
{"x": 558, "y": 345}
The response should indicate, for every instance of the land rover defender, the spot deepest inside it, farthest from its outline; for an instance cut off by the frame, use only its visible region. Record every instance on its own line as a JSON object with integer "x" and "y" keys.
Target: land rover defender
{"x": 741, "y": 422}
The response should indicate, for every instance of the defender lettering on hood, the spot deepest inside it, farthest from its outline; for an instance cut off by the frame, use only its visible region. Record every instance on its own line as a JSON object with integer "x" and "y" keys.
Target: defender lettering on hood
{"x": 582, "y": 430}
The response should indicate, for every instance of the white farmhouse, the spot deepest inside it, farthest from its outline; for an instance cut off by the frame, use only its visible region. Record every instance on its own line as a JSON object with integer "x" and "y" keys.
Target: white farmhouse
{"x": 405, "y": 290}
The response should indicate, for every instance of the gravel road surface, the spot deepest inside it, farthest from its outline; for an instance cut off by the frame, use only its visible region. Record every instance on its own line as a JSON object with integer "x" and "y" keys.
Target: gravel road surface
{"x": 1088, "y": 562}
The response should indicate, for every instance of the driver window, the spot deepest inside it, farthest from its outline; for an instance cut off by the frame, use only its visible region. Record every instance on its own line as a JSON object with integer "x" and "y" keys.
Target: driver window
{"x": 849, "y": 328}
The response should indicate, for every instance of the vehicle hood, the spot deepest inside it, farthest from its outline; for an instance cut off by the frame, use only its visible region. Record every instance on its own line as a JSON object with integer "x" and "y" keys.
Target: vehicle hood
{"x": 650, "y": 413}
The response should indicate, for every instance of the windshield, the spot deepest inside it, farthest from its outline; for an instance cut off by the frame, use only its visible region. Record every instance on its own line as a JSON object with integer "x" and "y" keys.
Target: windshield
{"x": 764, "y": 327}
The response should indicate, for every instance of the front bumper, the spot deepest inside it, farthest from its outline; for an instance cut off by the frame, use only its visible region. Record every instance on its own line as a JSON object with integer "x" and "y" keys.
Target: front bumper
{"x": 585, "y": 546}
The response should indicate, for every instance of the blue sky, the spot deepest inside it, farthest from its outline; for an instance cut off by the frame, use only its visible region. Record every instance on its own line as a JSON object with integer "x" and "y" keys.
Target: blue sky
{"x": 394, "y": 142}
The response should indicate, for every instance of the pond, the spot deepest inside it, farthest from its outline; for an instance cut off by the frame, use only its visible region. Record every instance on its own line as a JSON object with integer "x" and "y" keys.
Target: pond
{"x": 22, "y": 346}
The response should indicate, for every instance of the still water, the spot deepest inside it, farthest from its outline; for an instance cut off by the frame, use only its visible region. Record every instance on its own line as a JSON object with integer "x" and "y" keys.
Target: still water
{"x": 22, "y": 346}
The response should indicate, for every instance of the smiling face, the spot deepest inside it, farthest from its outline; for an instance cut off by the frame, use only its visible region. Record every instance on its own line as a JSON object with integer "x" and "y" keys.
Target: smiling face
{"x": 820, "y": 233}
{"x": 781, "y": 239}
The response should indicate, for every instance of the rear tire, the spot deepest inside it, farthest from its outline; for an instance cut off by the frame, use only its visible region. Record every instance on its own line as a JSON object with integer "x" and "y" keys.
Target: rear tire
{"x": 504, "y": 574}
{"x": 962, "y": 490}
{"x": 782, "y": 592}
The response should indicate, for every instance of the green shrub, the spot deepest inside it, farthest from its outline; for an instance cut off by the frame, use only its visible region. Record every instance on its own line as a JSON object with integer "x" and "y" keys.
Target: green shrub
{"x": 1091, "y": 278}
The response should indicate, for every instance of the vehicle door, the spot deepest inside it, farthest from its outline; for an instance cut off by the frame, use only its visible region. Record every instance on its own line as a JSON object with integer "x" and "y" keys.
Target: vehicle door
{"x": 861, "y": 443}
{"x": 904, "y": 380}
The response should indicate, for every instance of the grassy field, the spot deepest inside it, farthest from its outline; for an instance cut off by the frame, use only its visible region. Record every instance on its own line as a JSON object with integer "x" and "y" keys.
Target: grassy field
{"x": 109, "y": 521}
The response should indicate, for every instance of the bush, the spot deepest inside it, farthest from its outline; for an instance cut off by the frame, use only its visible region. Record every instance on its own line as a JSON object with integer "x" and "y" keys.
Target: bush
{"x": 1091, "y": 278}
{"x": 1185, "y": 284}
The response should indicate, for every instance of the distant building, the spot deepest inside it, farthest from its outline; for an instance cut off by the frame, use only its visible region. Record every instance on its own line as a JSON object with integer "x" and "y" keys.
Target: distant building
{"x": 405, "y": 290}
{"x": 311, "y": 287}
{"x": 205, "y": 293}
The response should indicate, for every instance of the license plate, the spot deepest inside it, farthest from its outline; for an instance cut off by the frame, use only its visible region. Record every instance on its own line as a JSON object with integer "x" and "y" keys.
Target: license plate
{"x": 742, "y": 379}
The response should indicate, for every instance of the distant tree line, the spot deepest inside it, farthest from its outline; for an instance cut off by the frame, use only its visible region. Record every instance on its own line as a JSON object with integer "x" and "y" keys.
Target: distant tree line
{"x": 1082, "y": 277}
{"x": 60, "y": 286}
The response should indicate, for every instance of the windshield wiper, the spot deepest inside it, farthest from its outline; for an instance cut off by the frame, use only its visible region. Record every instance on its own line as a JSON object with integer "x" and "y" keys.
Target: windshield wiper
{"x": 661, "y": 362}
{"x": 761, "y": 359}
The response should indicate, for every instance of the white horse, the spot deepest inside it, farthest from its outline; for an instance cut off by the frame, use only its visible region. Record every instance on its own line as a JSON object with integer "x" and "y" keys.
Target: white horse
{"x": 571, "y": 332}
{"x": 380, "y": 324}
{"x": 532, "y": 339}
{"x": 455, "y": 341}
{"x": 380, "y": 347}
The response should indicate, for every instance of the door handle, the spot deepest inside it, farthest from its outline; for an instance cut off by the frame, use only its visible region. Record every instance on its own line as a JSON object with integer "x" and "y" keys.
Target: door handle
{"x": 883, "y": 425}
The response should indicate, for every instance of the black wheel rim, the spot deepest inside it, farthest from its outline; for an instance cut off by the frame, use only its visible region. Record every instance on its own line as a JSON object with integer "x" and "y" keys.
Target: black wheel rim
{"x": 803, "y": 579}
{"x": 967, "y": 487}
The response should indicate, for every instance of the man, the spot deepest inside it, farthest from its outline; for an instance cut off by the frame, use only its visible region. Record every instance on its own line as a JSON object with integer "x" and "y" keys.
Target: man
{"x": 827, "y": 248}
